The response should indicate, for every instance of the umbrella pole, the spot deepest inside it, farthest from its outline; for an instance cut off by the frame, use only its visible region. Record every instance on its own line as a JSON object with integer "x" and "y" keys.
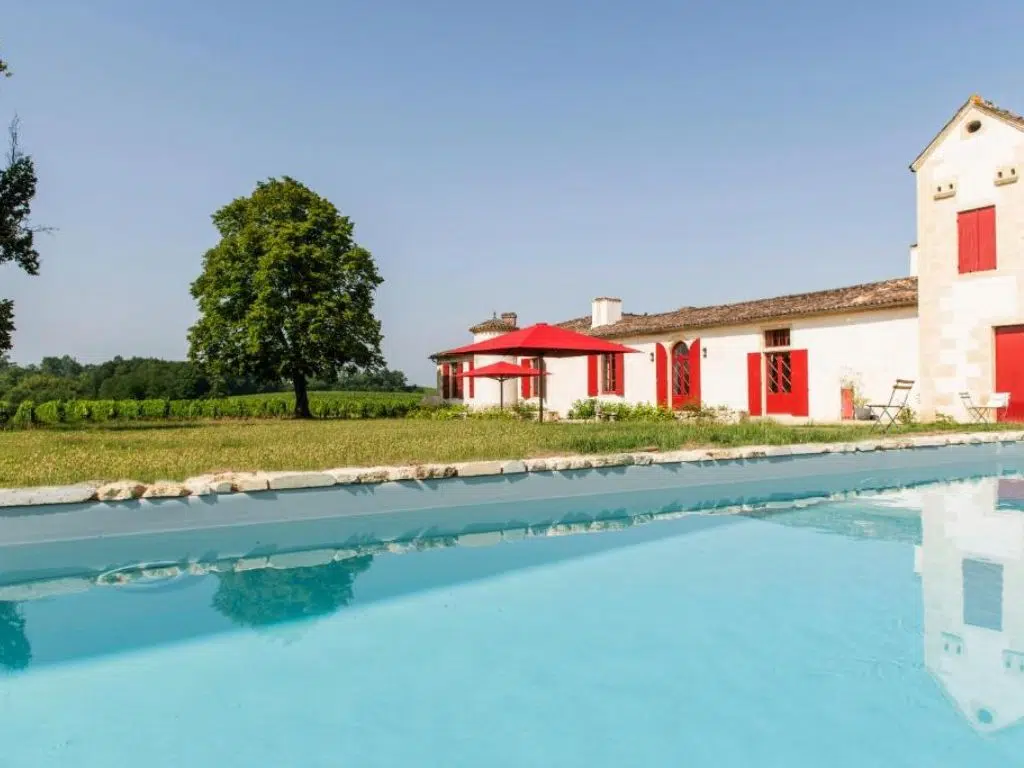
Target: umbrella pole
{"x": 541, "y": 388}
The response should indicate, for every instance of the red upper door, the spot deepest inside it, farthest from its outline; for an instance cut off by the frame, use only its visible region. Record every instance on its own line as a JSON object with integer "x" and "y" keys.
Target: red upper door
{"x": 1010, "y": 369}
{"x": 685, "y": 374}
{"x": 976, "y": 240}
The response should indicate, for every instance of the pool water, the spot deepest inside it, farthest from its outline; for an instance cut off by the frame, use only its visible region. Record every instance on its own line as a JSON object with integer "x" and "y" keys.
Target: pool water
{"x": 884, "y": 630}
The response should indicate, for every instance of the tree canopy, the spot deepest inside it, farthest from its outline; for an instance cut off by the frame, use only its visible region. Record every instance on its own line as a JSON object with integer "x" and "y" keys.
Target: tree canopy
{"x": 286, "y": 294}
{"x": 17, "y": 237}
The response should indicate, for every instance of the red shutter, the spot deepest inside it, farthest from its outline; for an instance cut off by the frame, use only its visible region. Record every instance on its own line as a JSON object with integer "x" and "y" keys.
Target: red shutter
{"x": 986, "y": 218}
{"x": 446, "y": 380}
{"x": 592, "y": 376}
{"x": 694, "y": 372}
{"x": 661, "y": 374}
{"x": 620, "y": 374}
{"x": 754, "y": 383}
{"x": 525, "y": 380}
{"x": 967, "y": 241}
{"x": 798, "y": 372}
{"x": 472, "y": 382}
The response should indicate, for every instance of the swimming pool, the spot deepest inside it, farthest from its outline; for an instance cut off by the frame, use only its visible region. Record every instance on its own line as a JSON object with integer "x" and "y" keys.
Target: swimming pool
{"x": 877, "y": 629}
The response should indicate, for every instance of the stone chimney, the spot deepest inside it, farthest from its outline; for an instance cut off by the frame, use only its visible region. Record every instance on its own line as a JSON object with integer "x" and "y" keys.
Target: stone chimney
{"x": 605, "y": 311}
{"x": 510, "y": 319}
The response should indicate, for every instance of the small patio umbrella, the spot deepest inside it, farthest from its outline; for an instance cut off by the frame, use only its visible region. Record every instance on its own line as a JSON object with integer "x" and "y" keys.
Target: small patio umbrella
{"x": 540, "y": 341}
{"x": 500, "y": 372}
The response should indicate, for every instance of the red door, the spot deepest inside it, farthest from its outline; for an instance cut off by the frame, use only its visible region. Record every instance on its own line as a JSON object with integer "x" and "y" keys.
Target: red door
{"x": 1010, "y": 369}
{"x": 686, "y": 374}
{"x": 754, "y": 383}
{"x": 786, "y": 390}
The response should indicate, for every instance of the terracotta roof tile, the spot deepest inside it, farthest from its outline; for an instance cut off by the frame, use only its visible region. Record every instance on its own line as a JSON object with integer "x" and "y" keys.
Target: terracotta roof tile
{"x": 493, "y": 324}
{"x": 901, "y": 292}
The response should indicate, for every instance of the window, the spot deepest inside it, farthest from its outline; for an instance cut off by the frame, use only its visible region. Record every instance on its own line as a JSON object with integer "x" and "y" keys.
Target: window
{"x": 457, "y": 381}
{"x": 609, "y": 379}
{"x": 976, "y": 233}
{"x": 983, "y": 594}
{"x": 533, "y": 386}
{"x": 680, "y": 370}
{"x": 777, "y": 337}
{"x": 779, "y": 367}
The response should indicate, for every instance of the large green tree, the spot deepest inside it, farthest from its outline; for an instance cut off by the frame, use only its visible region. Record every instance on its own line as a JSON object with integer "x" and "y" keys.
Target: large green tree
{"x": 17, "y": 189}
{"x": 287, "y": 294}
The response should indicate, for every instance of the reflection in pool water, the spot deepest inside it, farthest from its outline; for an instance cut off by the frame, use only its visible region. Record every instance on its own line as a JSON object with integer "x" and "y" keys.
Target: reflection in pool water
{"x": 780, "y": 636}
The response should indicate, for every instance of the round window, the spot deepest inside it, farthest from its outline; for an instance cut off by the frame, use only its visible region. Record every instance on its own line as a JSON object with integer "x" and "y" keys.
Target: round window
{"x": 974, "y": 126}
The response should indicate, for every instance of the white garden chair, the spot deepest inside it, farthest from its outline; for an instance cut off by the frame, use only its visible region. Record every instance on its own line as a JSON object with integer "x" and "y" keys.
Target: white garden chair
{"x": 987, "y": 409}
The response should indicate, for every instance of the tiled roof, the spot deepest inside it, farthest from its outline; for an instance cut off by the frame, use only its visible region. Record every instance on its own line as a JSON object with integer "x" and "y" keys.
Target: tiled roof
{"x": 493, "y": 324}
{"x": 901, "y": 292}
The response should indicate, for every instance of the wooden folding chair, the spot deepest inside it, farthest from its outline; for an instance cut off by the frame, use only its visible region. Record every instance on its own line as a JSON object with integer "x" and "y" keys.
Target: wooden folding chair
{"x": 888, "y": 413}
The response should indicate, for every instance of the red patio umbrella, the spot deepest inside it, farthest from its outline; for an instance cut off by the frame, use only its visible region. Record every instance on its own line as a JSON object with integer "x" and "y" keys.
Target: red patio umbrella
{"x": 540, "y": 341}
{"x": 500, "y": 372}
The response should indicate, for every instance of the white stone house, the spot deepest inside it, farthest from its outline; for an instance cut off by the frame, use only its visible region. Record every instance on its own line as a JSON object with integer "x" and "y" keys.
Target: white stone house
{"x": 971, "y": 564}
{"x": 954, "y": 324}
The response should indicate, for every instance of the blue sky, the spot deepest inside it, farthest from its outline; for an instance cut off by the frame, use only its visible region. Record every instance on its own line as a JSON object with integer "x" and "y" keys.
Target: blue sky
{"x": 517, "y": 156}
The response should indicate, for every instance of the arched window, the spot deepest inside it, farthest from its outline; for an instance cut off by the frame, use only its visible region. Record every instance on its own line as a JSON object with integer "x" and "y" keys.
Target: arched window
{"x": 681, "y": 385}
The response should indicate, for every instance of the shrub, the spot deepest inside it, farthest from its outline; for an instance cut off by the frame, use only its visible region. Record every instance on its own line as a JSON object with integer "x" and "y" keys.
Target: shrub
{"x": 25, "y": 415}
{"x": 130, "y": 410}
{"x": 50, "y": 412}
{"x": 583, "y": 409}
{"x": 6, "y": 413}
{"x": 102, "y": 410}
{"x": 210, "y": 409}
{"x": 76, "y": 411}
{"x": 155, "y": 409}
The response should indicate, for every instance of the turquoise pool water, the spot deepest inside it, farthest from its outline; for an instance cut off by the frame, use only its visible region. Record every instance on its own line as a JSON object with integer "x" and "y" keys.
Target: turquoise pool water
{"x": 886, "y": 630}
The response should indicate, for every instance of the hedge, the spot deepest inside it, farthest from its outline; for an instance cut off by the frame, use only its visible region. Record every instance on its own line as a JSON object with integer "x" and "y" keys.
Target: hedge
{"x": 328, "y": 405}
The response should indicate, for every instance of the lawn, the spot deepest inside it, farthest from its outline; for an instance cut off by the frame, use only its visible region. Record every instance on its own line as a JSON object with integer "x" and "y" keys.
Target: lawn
{"x": 173, "y": 451}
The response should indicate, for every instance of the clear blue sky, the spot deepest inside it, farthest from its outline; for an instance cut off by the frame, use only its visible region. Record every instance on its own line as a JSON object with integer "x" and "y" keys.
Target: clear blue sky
{"x": 518, "y": 156}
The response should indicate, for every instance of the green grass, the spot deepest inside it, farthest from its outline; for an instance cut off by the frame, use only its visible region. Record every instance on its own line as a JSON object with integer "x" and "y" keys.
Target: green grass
{"x": 175, "y": 450}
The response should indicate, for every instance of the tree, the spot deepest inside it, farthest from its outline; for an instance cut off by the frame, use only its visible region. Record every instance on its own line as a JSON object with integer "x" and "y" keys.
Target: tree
{"x": 15, "y": 651}
{"x": 267, "y": 596}
{"x": 286, "y": 295}
{"x": 17, "y": 189}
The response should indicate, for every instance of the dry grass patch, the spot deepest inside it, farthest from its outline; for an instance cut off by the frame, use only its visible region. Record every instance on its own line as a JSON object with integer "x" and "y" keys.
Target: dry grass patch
{"x": 150, "y": 452}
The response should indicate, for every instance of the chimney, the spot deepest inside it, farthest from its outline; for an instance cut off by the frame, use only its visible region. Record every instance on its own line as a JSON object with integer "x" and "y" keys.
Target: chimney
{"x": 510, "y": 319}
{"x": 605, "y": 311}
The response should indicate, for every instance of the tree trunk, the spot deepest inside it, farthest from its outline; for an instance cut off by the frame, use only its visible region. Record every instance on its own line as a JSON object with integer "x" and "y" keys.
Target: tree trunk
{"x": 301, "y": 398}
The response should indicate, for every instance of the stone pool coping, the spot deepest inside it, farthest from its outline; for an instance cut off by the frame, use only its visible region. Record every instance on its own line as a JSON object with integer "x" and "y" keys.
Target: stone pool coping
{"x": 255, "y": 482}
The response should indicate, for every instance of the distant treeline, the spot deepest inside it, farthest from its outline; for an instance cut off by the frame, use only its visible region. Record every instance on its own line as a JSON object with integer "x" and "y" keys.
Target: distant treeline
{"x": 145, "y": 378}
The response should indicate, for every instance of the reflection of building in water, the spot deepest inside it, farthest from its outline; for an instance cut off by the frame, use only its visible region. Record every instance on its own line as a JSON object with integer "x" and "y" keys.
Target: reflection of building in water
{"x": 971, "y": 563}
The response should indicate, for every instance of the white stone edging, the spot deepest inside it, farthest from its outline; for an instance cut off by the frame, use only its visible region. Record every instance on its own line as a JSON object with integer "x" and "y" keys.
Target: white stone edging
{"x": 254, "y": 482}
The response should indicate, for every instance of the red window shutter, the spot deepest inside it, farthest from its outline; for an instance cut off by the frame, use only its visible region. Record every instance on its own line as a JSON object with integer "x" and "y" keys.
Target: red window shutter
{"x": 472, "y": 382}
{"x": 754, "y": 383}
{"x": 620, "y": 373}
{"x": 592, "y": 376}
{"x": 967, "y": 241}
{"x": 986, "y": 222}
{"x": 525, "y": 380}
{"x": 661, "y": 374}
{"x": 695, "y": 372}
{"x": 798, "y": 372}
{"x": 446, "y": 380}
